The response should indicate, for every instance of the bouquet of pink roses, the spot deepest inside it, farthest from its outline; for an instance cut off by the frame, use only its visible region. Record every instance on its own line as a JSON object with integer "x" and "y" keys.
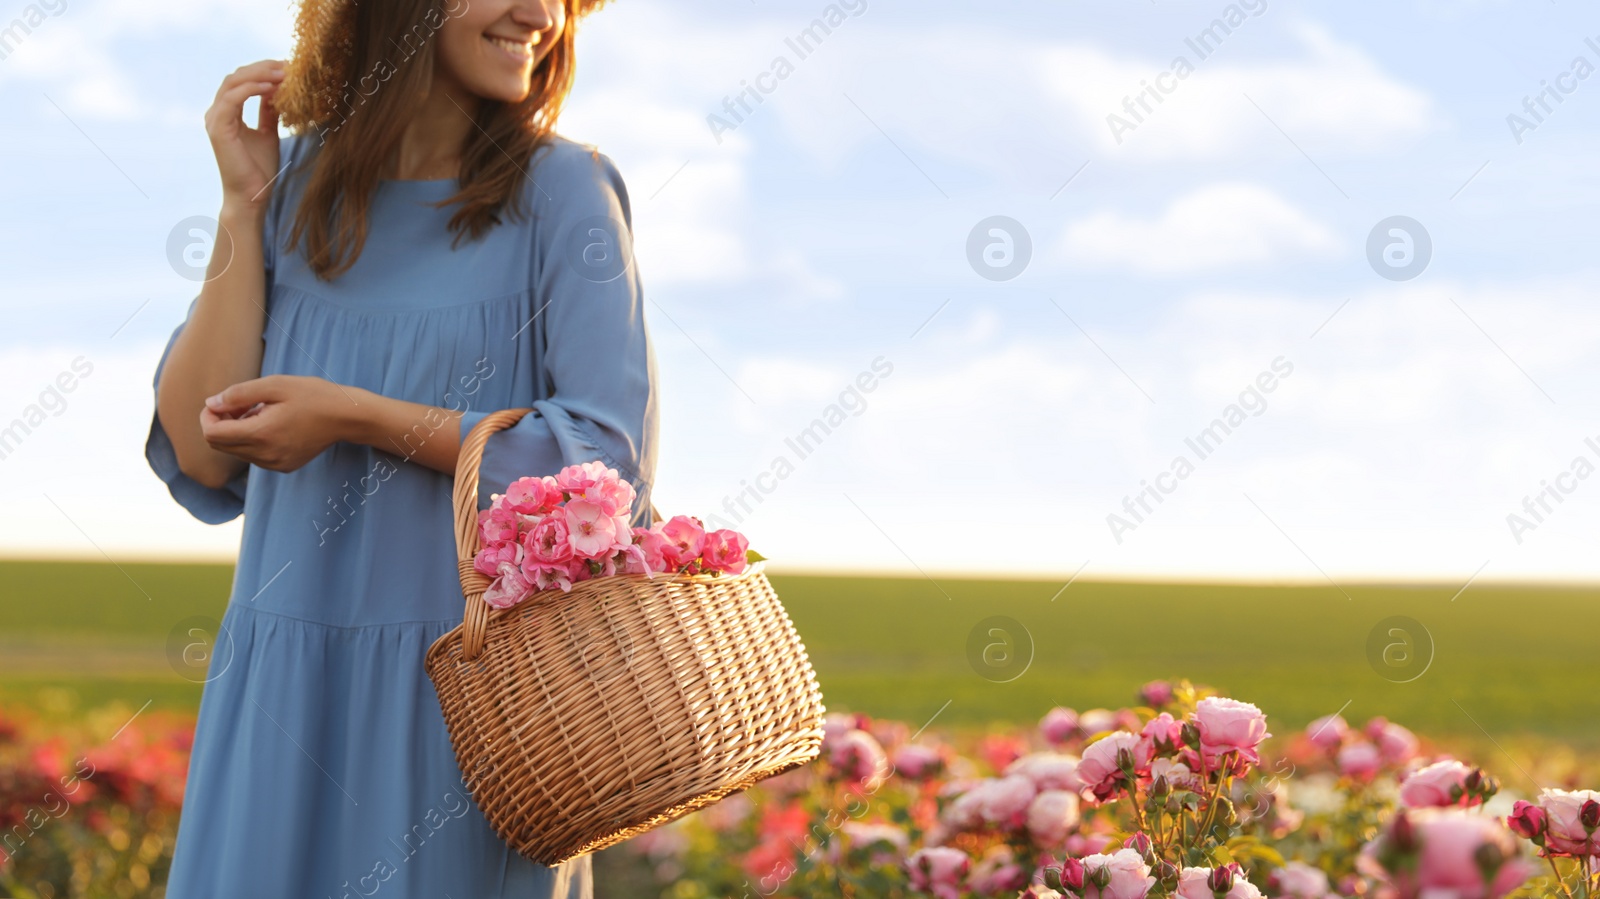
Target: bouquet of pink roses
{"x": 550, "y": 532}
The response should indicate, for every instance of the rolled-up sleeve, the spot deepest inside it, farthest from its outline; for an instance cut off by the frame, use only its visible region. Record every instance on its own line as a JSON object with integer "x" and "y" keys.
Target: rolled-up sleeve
{"x": 596, "y": 399}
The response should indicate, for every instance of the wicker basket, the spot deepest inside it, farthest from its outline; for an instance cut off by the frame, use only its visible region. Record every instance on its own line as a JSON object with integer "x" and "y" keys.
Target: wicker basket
{"x": 581, "y": 719}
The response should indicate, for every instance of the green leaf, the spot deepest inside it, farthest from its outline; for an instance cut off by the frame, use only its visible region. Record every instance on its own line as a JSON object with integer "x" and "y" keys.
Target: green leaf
{"x": 753, "y": 557}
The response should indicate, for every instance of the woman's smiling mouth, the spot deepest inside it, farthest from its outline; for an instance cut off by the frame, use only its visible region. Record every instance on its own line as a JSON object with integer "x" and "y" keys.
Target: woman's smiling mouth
{"x": 519, "y": 51}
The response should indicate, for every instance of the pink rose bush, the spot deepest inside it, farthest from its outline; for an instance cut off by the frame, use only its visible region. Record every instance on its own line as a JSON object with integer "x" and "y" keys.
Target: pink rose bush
{"x": 1184, "y": 795}
{"x": 553, "y": 532}
{"x": 1561, "y": 825}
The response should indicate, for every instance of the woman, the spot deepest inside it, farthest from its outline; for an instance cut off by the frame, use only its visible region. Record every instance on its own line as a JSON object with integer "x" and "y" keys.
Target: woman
{"x": 424, "y": 251}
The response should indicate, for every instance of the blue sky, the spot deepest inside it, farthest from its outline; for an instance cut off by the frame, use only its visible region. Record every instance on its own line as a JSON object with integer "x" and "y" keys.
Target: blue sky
{"x": 1169, "y": 270}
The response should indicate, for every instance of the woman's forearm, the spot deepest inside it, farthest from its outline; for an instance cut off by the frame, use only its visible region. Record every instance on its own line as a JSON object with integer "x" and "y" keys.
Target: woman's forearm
{"x": 427, "y": 435}
{"x": 220, "y": 346}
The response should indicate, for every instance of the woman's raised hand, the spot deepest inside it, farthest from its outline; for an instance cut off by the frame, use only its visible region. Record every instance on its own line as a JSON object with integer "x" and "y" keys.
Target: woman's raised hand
{"x": 247, "y": 158}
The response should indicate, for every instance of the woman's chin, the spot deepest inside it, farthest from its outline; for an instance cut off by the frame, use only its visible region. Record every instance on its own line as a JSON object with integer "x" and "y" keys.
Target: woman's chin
{"x": 502, "y": 90}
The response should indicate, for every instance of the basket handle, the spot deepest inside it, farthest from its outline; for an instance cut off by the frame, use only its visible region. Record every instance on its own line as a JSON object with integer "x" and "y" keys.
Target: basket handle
{"x": 474, "y": 583}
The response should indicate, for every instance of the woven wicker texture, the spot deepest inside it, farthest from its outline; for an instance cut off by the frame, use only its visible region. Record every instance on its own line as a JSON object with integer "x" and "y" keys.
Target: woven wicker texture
{"x": 581, "y": 719}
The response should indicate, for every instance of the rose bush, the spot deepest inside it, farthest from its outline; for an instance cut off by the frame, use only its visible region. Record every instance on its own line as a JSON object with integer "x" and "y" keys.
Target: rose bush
{"x": 82, "y": 815}
{"x": 1180, "y": 796}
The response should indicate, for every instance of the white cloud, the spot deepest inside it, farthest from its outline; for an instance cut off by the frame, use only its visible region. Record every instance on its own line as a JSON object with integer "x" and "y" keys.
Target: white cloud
{"x": 1214, "y": 227}
{"x": 1331, "y": 97}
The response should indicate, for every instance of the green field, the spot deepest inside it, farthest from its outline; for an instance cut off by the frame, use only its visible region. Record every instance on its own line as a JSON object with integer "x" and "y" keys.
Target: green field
{"x": 1509, "y": 661}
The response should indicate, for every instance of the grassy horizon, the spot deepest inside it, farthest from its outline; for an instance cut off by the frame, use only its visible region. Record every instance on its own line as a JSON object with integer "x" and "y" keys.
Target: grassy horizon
{"x": 1509, "y": 660}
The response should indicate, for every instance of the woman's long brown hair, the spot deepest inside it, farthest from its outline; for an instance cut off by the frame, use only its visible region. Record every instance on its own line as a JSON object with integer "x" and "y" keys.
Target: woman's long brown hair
{"x": 386, "y": 68}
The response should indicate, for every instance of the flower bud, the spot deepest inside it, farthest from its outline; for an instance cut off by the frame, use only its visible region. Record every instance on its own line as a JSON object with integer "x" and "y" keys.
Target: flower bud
{"x": 1141, "y": 844}
{"x": 1528, "y": 821}
{"x": 1159, "y": 788}
{"x": 1191, "y": 735}
{"x": 1125, "y": 762}
{"x": 1473, "y": 782}
{"x": 1071, "y": 875}
{"x": 1052, "y": 877}
{"x": 1167, "y": 874}
{"x": 1220, "y": 880}
{"x": 1100, "y": 878}
{"x": 1589, "y": 815}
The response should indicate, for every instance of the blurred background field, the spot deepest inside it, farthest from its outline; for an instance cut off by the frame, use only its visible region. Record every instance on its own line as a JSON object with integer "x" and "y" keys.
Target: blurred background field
{"x": 1510, "y": 663}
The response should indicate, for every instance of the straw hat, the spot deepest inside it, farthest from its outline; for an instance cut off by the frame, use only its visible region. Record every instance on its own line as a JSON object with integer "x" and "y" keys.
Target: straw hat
{"x": 318, "y": 75}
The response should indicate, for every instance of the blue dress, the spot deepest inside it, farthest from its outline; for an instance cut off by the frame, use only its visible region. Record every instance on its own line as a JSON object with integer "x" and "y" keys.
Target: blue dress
{"x": 321, "y": 763}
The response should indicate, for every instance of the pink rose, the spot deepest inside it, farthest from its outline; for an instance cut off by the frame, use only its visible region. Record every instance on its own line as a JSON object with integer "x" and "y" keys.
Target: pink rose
{"x": 939, "y": 870}
{"x": 1097, "y": 721}
{"x": 1082, "y": 844}
{"x": 1440, "y": 785}
{"x": 532, "y": 496}
{"x": 575, "y": 479}
{"x": 1178, "y": 775}
{"x": 1360, "y": 761}
{"x": 1156, "y": 694}
{"x": 612, "y": 494}
{"x": 652, "y": 547}
{"x": 1298, "y": 880}
{"x": 509, "y": 587}
{"x": 487, "y": 561}
{"x": 914, "y": 762}
{"x": 1035, "y": 891}
{"x": 497, "y": 525}
{"x": 685, "y": 538}
{"x": 1058, "y": 725}
{"x": 724, "y": 550}
{"x": 1397, "y": 744}
{"x": 1228, "y": 725}
{"x": 1120, "y": 875}
{"x": 1441, "y": 852}
{"x": 592, "y": 532}
{"x": 1048, "y": 771}
{"x": 889, "y": 842}
{"x": 997, "y": 873}
{"x": 1051, "y": 817}
{"x": 858, "y": 758}
{"x": 837, "y": 724}
{"x": 1101, "y": 770}
{"x": 1565, "y": 831}
{"x": 726, "y": 814}
{"x": 547, "y": 545}
{"x": 1327, "y": 732}
{"x": 1163, "y": 735}
{"x": 1198, "y": 883}
{"x": 1005, "y": 801}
